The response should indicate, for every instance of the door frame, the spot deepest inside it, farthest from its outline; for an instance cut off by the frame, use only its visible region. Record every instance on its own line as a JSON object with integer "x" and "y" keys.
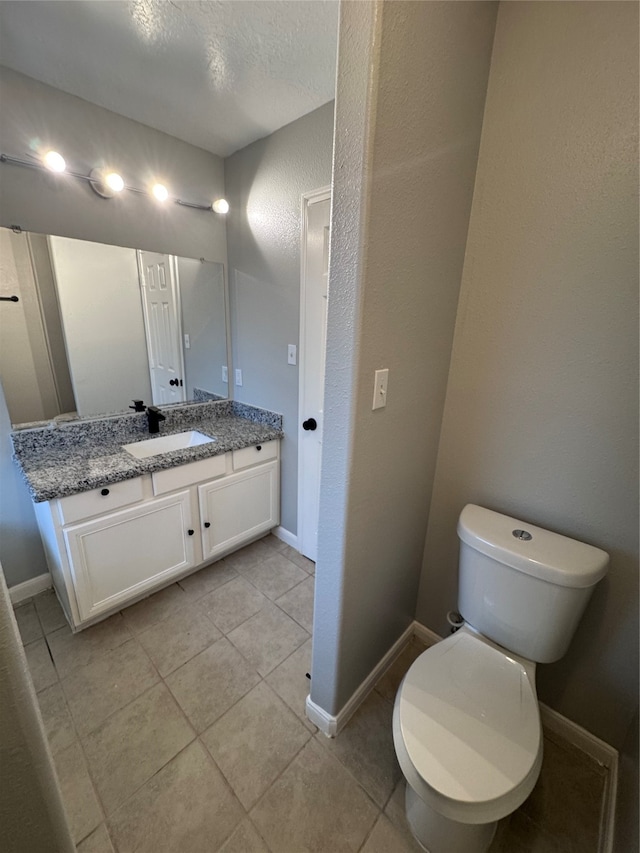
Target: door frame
{"x": 307, "y": 199}
{"x": 177, "y": 305}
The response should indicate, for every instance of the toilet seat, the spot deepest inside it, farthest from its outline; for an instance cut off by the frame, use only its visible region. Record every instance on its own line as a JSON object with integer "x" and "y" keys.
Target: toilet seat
{"x": 467, "y": 730}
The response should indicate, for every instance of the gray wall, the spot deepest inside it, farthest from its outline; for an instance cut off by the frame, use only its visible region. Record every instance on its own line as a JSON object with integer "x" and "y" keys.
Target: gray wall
{"x": 409, "y": 156}
{"x": 21, "y": 551}
{"x": 88, "y": 135}
{"x": 103, "y": 324}
{"x": 204, "y": 319}
{"x": 626, "y": 836}
{"x": 541, "y": 414}
{"x": 264, "y": 184}
{"x": 25, "y": 369}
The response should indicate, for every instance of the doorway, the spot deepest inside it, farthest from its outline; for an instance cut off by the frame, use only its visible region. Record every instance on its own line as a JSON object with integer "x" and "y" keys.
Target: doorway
{"x": 314, "y": 279}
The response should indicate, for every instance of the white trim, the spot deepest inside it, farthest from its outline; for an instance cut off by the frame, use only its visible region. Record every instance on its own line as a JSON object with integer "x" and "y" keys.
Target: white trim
{"x": 327, "y": 724}
{"x": 575, "y": 735}
{"x": 429, "y": 637}
{"x": 599, "y": 751}
{"x": 330, "y": 725}
{"x": 286, "y": 536}
{"x": 306, "y": 199}
{"x": 551, "y": 720}
{"x": 27, "y": 589}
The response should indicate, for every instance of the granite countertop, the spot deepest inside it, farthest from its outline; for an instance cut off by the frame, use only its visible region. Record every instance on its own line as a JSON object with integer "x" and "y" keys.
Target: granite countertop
{"x": 60, "y": 459}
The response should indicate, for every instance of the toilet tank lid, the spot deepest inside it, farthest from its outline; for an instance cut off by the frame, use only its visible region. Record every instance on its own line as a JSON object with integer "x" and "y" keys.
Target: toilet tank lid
{"x": 548, "y": 556}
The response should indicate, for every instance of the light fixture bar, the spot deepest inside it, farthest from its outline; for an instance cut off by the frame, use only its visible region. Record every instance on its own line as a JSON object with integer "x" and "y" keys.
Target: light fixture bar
{"x": 194, "y": 205}
{"x": 34, "y": 164}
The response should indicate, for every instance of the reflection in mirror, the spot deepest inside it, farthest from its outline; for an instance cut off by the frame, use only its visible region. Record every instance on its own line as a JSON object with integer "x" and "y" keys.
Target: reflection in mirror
{"x": 97, "y": 326}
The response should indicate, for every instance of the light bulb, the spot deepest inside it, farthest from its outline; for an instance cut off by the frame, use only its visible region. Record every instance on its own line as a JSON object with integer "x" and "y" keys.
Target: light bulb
{"x": 160, "y": 192}
{"x": 221, "y": 205}
{"x": 114, "y": 182}
{"x": 54, "y": 161}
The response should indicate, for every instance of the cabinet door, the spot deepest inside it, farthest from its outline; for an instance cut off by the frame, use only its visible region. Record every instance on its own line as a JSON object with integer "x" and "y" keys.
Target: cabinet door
{"x": 119, "y": 556}
{"x": 239, "y": 508}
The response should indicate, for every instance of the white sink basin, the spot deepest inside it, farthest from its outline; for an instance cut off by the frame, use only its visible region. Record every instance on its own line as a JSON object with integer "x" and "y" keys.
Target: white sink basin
{"x": 166, "y": 443}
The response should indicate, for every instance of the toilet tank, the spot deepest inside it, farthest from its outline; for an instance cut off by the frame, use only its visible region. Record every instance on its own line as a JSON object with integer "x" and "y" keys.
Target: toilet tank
{"x": 521, "y": 586}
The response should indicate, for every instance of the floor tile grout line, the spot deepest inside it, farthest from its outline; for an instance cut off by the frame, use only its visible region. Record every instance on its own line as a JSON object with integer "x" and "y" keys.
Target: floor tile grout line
{"x": 77, "y": 741}
{"x": 155, "y": 773}
{"x": 370, "y": 831}
{"x": 162, "y": 677}
{"x": 284, "y": 769}
{"x": 294, "y": 618}
{"x": 196, "y": 736}
{"x": 248, "y": 810}
{"x": 349, "y": 771}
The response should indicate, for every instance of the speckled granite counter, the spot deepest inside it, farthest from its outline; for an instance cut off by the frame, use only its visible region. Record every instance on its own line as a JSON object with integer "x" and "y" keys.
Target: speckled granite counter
{"x": 60, "y": 459}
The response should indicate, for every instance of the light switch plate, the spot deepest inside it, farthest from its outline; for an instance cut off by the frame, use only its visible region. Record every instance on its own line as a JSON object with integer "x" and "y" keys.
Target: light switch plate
{"x": 291, "y": 354}
{"x": 187, "y": 342}
{"x": 380, "y": 383}
{"x": 238, "y": 376}
{"x": 225, "y": 373}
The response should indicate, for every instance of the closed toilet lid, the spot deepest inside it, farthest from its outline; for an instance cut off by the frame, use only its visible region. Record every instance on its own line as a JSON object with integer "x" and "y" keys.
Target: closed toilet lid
{"x": 469, "y": 720}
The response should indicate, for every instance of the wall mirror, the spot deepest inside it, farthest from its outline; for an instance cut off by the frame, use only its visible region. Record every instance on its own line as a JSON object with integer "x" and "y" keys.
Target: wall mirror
{"x": 97, "y": 326}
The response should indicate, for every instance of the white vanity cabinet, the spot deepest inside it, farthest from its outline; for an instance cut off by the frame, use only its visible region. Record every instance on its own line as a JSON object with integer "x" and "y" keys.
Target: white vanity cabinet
{"x": 112, "y": 546}
{"x": 116, "y": 557}
{"x": 237, "y": 508}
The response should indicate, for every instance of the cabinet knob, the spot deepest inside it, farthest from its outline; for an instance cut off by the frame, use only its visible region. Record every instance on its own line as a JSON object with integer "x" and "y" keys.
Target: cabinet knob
{"x": 190, "y": 532}
{"x": 309, "y": 424}
{"x": 104, "y": 492}
{"x": 258, "y": 447}
{"x": 207, "y": 524}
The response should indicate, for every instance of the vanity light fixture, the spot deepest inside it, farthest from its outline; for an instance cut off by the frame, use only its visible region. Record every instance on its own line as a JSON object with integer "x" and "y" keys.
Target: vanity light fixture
{"x": 54, "y": 162}
{"x": 106, "y": 182}
{"x": 114, "y": 181}
{"x": 160, "y": 192}
{"x": 220, "y": 205}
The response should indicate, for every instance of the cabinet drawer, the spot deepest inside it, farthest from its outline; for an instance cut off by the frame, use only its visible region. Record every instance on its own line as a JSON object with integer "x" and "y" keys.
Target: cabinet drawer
{"x": 185, "y": 475}
{"x": 96, "y": 502}
{"x": 253, "y": 455}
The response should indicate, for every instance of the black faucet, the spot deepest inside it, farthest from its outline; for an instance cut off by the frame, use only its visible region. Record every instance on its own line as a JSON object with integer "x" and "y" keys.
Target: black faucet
{"x": 154, "y": 416}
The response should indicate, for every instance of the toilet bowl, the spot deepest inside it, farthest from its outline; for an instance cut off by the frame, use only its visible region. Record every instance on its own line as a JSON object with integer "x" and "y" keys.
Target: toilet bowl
{"x": 466, "y": 723}
{"x": 467, "y": 733}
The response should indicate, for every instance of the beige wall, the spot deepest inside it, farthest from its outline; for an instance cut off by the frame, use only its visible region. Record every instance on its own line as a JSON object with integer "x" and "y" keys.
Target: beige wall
{"x": 393, "y": 291}
{"x": 541, "y": 414}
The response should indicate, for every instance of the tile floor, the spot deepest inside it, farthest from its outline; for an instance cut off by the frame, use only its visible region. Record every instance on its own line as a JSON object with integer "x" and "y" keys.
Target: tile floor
{"x": 178, "y": 726}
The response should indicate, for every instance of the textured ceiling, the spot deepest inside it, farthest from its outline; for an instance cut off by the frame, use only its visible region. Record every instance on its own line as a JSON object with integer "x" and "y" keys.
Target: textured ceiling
{"x": 217, "y": 74}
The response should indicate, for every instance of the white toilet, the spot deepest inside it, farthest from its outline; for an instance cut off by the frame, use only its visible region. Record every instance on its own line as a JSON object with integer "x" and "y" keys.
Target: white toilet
{"x": 466, "y": 724}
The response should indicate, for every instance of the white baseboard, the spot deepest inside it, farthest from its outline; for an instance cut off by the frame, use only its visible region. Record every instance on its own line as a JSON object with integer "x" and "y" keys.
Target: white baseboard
{"x": 428, "y": 637}
{"x": 599, "y": 751}
{"x": 27, "y": 589}
{"x": 330, "y": 725}
{"x": 286, "y": 536}
{"x": 327, "y": 724}
{"x": 551, "y": 720}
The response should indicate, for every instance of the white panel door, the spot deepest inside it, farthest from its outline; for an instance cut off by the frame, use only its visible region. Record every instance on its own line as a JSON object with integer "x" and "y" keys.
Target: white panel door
{"x": 118, "y": 556}
{"x": 313, "y": 321}
{"x": 161, "y": 308}
{"x": 239, "y": 508}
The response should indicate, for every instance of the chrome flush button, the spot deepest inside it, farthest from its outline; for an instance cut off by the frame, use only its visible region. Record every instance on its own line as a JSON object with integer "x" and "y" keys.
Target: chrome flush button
{"x": 522, "y": 534}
